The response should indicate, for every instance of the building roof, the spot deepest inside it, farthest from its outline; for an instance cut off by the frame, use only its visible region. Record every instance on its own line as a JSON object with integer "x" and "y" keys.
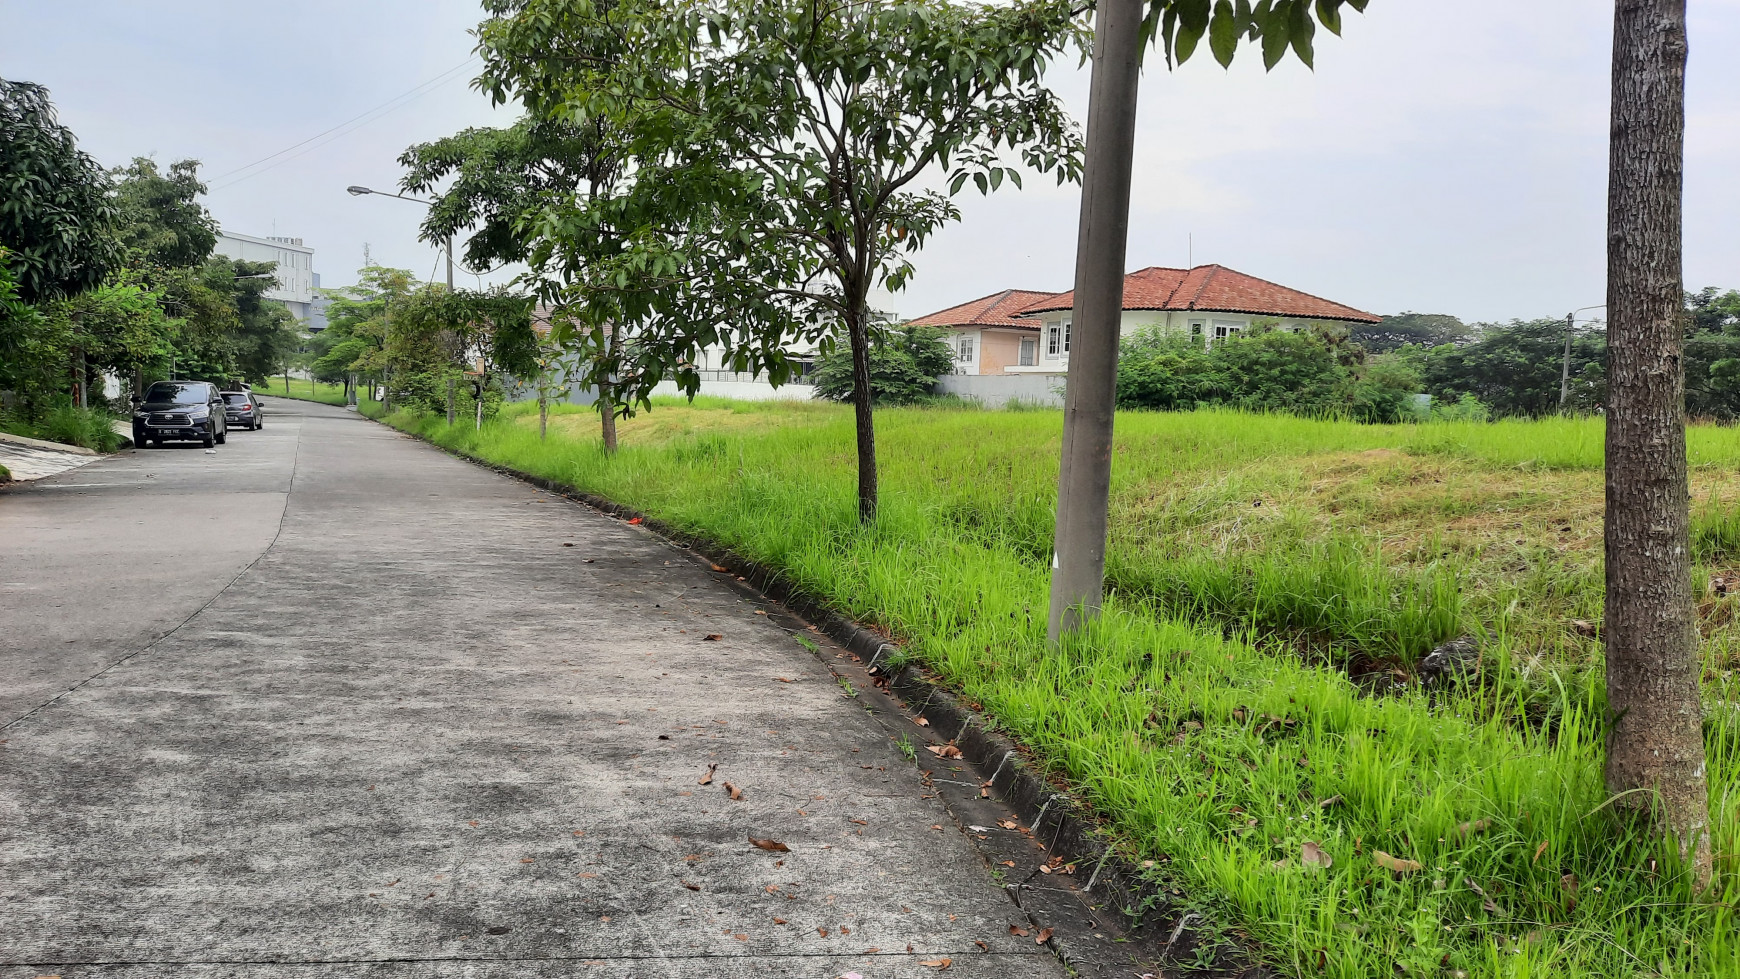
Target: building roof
{"x": 997, "y": 309}
{"x": 1212, "y": 289}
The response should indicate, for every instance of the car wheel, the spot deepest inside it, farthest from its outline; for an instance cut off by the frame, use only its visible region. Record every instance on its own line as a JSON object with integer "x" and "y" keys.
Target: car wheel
{"x": 209, "y": 440}
{"x": 223, "y": 435}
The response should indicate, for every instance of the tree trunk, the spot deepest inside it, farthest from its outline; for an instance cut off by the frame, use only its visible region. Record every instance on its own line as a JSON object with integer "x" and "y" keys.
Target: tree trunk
{"x": 477, "y": 386}
{"x": 452, "y": 416}
{"x": 1656, "y": 741}
{"x": 543, "y": 415}
{"x": 607, "y": 399}
{"x": 858, "y": 334}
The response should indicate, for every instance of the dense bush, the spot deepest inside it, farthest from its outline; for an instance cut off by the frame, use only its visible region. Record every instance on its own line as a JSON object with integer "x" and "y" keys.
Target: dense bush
{"x": 904, "y": 365}
{"x": 1305, "y": 373}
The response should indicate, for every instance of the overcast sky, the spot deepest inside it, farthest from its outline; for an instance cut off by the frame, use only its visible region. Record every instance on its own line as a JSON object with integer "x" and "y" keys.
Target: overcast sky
{"x": 1445, "y": 156}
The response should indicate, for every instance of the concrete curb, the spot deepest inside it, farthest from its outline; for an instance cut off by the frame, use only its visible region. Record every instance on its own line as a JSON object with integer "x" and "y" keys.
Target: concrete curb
{"x": 1060, "y": 822}
{"x": 31, "y": 443}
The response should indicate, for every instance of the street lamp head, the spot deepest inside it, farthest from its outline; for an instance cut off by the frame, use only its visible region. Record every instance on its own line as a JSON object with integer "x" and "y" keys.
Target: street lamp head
{"x": 356, "y": 191}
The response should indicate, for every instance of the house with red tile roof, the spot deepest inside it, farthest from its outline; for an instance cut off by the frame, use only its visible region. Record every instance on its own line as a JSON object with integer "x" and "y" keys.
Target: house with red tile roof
{"x": 1005, "y": 333}
{"x": 986, "y": 334}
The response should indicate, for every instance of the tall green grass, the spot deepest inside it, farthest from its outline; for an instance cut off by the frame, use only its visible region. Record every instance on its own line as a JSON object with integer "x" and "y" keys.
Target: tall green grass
{"x": 1212, "y": 755}
{"x": 90, "y": 428}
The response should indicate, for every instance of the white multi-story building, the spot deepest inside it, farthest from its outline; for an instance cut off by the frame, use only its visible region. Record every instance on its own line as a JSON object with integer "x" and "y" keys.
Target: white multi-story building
{"x": 298, "y": 284}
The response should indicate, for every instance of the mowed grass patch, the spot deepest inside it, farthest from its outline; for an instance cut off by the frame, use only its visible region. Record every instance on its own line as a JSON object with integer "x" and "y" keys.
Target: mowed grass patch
{"x": 1214, "y": 747}
{"x": 301, "y": 390}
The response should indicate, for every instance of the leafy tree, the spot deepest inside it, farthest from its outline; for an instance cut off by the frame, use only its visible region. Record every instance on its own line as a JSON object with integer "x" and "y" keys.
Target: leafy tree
{"x": 775, "y": 145}
{"x": 1402, "y": 329}
{"x": 1711, "y": 311}
{"x": 487, "y": 180}
{"x": 55, "y": 213}
{"x": 161, "y": 221}
{"x": 355, "y": 339}
{"x": 905, "y": 362}
{"x": 496, "y": 181}
{"x": 1515, "y": 368}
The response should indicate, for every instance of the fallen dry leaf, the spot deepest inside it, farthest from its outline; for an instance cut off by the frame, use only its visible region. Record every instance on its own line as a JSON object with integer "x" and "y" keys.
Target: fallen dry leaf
{"x": 861, "y": 822}
{"x": 943, "y": 750}
{"x": 638, "y": 520}
{"x": 982, "y": 946}
{"x": 822, "y": 932}
{"x": 707, "y": 779}
{"x": 1313, "y": 855}
{"x": 692, "y": 887}
{"x": 782, "y": 679}
{"x": 1043, "y": 937}
{"x": 734, "y": 792}
{"x": 921, "y": 721}
{"x": 773, "y": 845}
{"x": 526, "y": 860}
{"x": 712, "y": 637}
{"x": 937, "y": 963}
{"x": 718, "y": 567}
{"x": 741, "y": 938}
{"x": 1008, "y": 863}
{"x": 1008, "y": 824}
{"x": 1017, "y": 930}
{"x": 779, "y": 921}
{"x": 1473, "y": 826}
{"x": 1395, "y": 865}
{"x": 1539, "y": 850}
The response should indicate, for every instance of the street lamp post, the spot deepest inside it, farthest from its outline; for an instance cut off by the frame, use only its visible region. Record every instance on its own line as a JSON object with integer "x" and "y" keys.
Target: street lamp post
{"x": 357, "y": 191}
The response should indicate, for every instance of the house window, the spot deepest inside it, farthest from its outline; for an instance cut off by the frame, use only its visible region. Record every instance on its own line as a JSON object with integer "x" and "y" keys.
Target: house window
{"x": 1053, "y": 340}
{"x": 1066, "y": 336}
{"x": 1226, "y": 328}
{"x": 966, "y": 354}
{"x": 1029, "y": 352}
{"x": 1196, "y": 327}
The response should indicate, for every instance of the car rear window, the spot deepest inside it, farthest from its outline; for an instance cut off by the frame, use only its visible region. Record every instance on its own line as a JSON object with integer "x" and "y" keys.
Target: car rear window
{"x": 236, "y": 399}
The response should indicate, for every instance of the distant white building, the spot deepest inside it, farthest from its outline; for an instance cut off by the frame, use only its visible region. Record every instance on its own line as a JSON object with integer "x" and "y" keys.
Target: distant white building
{"x": 298, "y": 284}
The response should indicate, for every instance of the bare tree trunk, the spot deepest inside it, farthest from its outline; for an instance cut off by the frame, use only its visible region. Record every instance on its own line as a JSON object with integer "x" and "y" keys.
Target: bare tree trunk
{"x": 607, "y": 400}
{"x": 1656, "y": 742}
{"x": 451, "y": 414}
{"x": 543, "y": 415}
{"x": 858, "y": 335}
{"x": 477, "y": 386}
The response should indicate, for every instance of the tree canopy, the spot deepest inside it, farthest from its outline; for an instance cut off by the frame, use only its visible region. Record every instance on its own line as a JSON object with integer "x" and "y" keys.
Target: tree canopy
{"x": 55, "y": 212}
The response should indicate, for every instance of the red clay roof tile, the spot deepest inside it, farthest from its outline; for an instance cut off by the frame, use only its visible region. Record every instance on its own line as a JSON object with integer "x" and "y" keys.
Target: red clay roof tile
{"x": 1213, "y": 288}
{"x": 997, "y": 309}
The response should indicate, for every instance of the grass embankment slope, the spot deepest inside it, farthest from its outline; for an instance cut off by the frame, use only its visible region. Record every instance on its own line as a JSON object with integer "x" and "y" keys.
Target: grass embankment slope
{"x": 1211, "y": 715}
{"x": 302, "y": 390}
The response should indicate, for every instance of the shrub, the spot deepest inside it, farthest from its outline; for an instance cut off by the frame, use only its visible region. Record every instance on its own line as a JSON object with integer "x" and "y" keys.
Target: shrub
{"x": 1304, "y": 373}
{"x": 904, "y": 365}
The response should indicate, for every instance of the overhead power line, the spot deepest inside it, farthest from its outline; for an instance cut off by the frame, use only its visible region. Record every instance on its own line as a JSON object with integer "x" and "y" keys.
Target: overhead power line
{"x": 265, "y": 164}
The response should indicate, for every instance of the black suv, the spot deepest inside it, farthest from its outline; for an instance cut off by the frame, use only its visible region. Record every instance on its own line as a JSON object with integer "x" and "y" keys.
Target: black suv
{"x": 242, "y": 408}
{"x": 180, "y": 411}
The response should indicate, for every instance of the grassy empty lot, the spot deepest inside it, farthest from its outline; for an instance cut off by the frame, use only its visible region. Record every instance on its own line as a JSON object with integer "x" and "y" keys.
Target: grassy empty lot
{"x": 1248, "y": 695}
{"x": 303, "y": 390}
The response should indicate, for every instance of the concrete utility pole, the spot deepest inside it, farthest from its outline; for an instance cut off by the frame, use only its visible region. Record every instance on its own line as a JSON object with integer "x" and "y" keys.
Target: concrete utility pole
{"x": 1565, "y": 372}
{"x": 450, "y": 418}
{"x": 1085, "y": 475}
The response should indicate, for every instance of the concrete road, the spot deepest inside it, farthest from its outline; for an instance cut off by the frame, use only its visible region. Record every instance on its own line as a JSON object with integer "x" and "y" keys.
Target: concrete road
{"x": 331, "y": 703}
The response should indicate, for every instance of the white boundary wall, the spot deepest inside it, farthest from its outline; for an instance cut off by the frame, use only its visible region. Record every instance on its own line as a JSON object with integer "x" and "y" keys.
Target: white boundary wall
{"x": 997, "y": 390}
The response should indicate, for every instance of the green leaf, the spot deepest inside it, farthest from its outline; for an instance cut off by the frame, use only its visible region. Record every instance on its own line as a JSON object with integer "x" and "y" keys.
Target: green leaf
{"x": 1273, "y": 23}
{"x": 1301, "y": 27}
{"x": 1193, "y": 16}
{"x": 1223, "y": 38}
{"x": 1329, "y": 12}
